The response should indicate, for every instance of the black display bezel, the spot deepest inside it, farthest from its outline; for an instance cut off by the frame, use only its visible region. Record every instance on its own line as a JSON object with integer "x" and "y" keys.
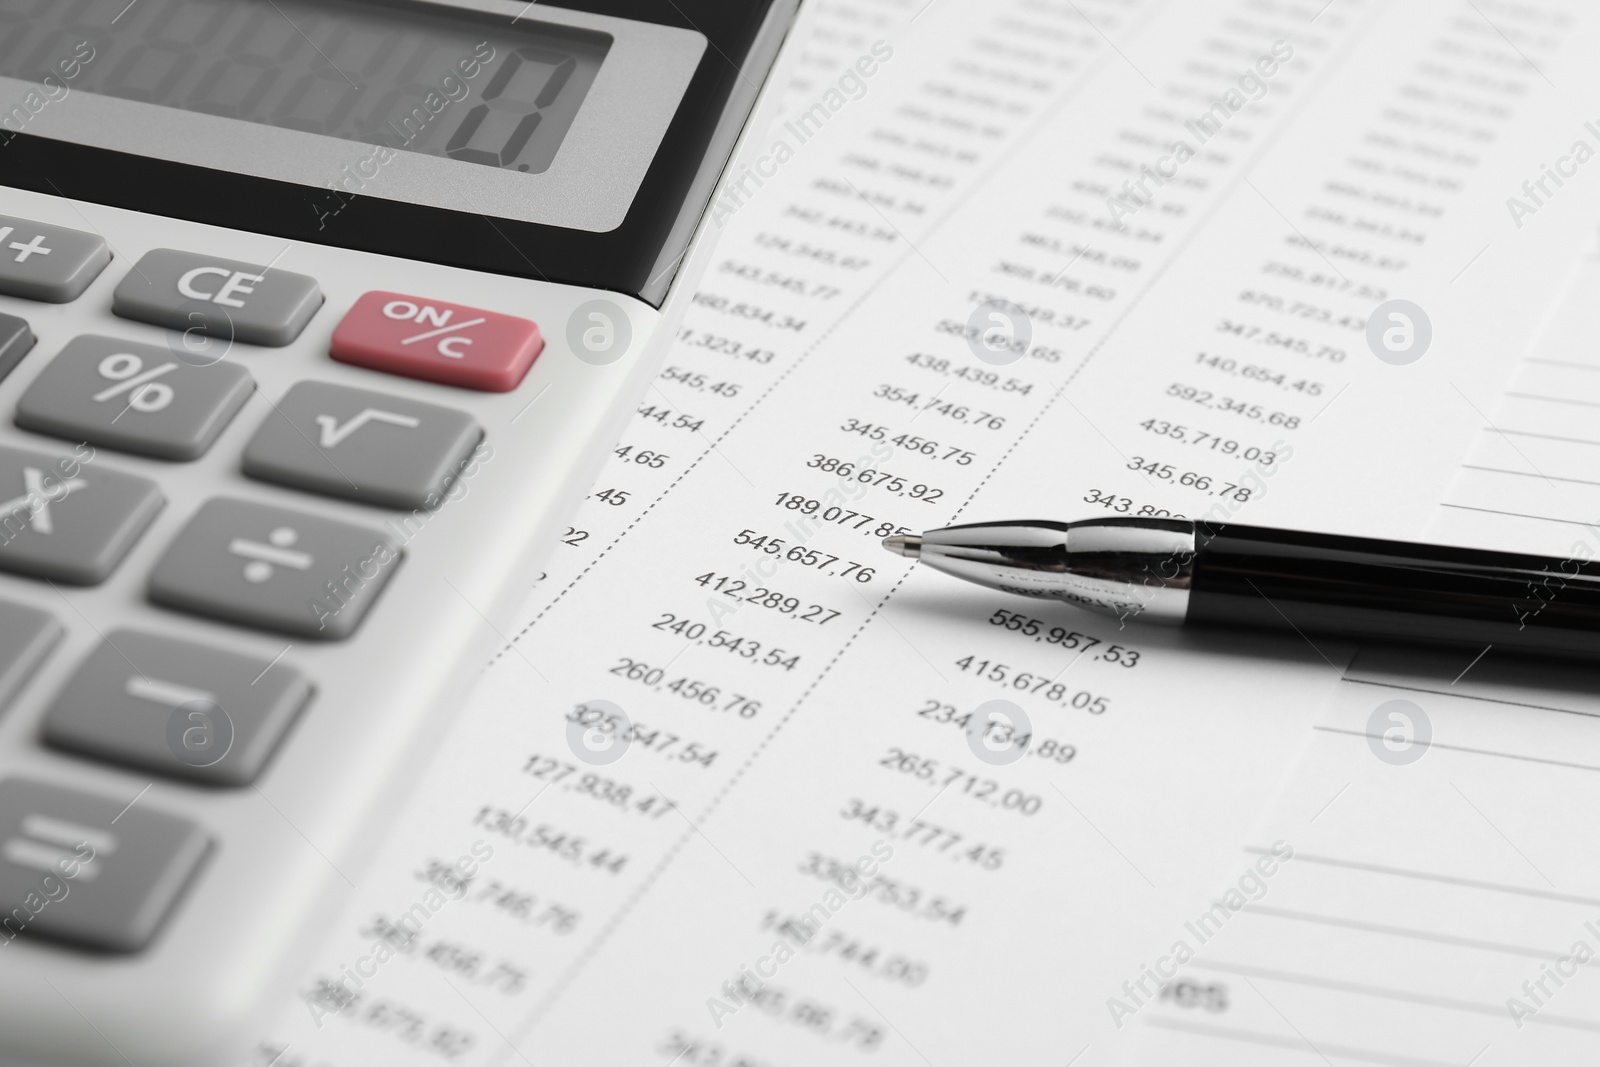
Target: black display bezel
{"x": 621, "y": 260}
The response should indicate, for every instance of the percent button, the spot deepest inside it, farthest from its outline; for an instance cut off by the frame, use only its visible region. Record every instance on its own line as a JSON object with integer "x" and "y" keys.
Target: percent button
{"x": 134, "y": 397}
{"x": 437, "y": 342}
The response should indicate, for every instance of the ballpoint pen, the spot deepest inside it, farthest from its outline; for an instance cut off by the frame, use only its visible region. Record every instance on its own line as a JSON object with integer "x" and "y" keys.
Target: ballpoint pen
{"x": 1216, "y": 574}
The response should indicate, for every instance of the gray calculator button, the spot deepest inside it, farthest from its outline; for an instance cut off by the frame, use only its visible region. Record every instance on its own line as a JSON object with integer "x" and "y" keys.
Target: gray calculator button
{"x": 175, "y": 708}
{"x": 50, "y": 263}
{"x": 274, "y": 568}
{"x": 26, "y": 637}
{"x": 89, "y": 870}
{"x": 251, "y": 303}
{"x": 360, "y": 445}
{"x": 16, "y": 338}
{"x": 139, "y": 398}
{"x": 66, "y": 518}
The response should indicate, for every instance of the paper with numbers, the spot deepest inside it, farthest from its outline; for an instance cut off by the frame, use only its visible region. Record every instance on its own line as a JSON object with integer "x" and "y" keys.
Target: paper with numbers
{"x": 1238, "y": 259}
{"x": 1434, "y": 910}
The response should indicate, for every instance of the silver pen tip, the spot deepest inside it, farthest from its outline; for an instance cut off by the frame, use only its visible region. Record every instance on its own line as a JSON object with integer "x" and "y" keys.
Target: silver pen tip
{"x": 904, "y": 545}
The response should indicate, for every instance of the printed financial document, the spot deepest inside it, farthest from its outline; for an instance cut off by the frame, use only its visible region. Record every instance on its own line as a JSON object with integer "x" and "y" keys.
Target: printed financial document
{"x": 1434, "y": 911}
{"x": 743, "y": 789}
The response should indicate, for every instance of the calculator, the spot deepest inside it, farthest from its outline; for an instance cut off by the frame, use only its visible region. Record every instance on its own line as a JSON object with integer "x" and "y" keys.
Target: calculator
{"x": 317, "y": 321}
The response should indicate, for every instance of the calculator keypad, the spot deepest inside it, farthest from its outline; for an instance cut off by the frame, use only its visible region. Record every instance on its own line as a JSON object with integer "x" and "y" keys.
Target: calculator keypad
{"x": 16, "y": 340}
{"x": 88, "y": 870}
{"x": 152, "y": 703}
{"x": 134, "y": 397}
{"x": 276, "y": 569}
{"x": 223, "y": 297}
{"x": 175, "y": 708}
{"x": 48, "y": 263}
{"x": 438, "y": 342}
{"x": 68, "y": 519}
{"x": 360, "y": 445}
{"x": 26, "y": 637}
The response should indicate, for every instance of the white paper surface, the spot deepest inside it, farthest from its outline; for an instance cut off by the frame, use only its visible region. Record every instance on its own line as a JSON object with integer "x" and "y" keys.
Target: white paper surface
{"x": 1206, "y": 358}
{"x": 1437, "y": 906}
{"x": 1530, "y": 481}
{"x": 1434, "y": 909}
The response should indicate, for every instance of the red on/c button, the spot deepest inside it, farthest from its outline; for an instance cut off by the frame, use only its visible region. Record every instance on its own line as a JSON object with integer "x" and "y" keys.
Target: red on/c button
{"x": 437, "y": 342}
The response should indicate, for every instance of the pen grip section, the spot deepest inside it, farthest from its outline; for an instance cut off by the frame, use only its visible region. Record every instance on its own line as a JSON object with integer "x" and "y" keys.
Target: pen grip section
{"x": 1371, "y": 590}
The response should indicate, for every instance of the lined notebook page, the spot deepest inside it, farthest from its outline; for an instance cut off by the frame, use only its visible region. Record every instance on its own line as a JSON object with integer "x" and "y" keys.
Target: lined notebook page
{"x": 1532, "y": 478}
{"x": 1442, "y": 896}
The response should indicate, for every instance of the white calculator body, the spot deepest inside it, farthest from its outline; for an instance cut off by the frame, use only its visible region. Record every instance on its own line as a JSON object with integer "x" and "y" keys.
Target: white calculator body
{"x": 317, "y": 319}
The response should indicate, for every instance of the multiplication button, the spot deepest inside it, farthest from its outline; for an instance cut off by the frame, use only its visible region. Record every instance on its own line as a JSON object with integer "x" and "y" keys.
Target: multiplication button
{"x": 49, "y": 263}
{"x": 138, "y": 398}
{"x": 270, "y": 567}
{"x": 361, "y": 445}
{"x": 222, "y": 297}
{"x": 66, "y": 518}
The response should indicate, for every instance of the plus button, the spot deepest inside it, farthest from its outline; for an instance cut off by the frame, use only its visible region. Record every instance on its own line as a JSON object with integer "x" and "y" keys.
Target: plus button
{"x": 26, "y": 250}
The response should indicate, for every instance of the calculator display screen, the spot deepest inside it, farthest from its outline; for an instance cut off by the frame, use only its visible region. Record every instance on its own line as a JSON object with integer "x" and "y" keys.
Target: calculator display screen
{"x": 495, "y": 92}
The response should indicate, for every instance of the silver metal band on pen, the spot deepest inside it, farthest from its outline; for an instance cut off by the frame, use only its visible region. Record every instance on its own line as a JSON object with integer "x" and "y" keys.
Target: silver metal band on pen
{"x": 1110, "y": 566}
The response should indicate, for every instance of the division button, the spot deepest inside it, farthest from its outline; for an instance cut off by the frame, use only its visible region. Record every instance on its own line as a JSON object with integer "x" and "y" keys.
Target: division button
{"x": 221, "y": 297}
{"x": 89, "y": 870}
{"x": 437, "y": 342}
{"x": 360, "y": 445}
{"x": 66, "y": 518}
{"x": 138, "y": 398}
{"x": 49, "y": 263}
{"x": 274, "y": 568}
{"x": 179, "y": 709}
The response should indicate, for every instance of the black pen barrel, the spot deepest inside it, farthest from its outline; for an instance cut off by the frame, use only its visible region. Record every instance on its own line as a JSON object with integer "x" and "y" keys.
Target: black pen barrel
{"x": 1393, "y": 591}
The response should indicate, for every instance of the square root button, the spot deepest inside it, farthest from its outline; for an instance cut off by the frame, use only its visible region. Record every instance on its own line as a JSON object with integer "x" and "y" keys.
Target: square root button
{"x": 276, "y": 569}
{"x": 437, "y": 342}
{"x": 360, "y": 445}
